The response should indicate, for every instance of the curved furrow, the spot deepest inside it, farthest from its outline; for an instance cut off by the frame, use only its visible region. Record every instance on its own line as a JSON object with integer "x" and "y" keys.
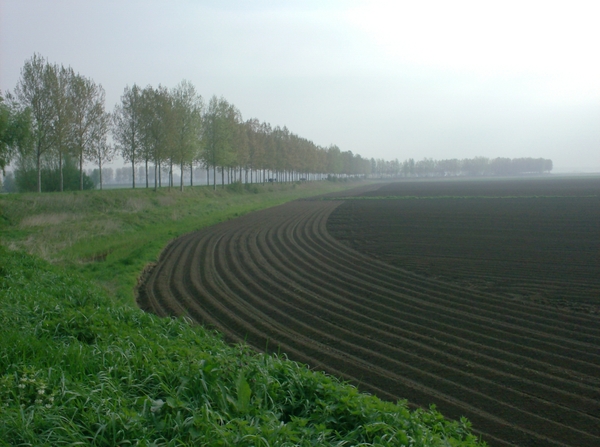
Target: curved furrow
{"x": 339, "y": 340}
{"x": 362, "y": 311}
{"x": 572, "y": 417}
{"x": 277, "y": 280}
{"x": 593, "y": 409}
{"x": 157, "y": 298}
{"x": 242, "y": 331}
{"x": 183, "y": 287}
{"x": 578, "y": 288}
{"x": 471, "y": 301}
{"x": 390, "y": 310}
{"x": 402, "y": 332}
{"x": 578, "y": 291}
{"x": 509, "y": 332}
{"x": 501, "y": 303}
{"x": 474, "y": 335}
{"x": 474, "y": 301}
{"x": 576, "y": 325}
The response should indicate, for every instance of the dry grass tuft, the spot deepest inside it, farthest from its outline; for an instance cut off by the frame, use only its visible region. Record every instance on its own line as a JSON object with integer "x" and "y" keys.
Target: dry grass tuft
{"x": 47, "y": 219}
{"x": 166, "y": 200}
{"x": 135, "y": 204}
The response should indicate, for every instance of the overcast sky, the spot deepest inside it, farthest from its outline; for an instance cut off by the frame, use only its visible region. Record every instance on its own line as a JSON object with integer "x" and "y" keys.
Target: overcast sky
{"x": 439, "y": 79}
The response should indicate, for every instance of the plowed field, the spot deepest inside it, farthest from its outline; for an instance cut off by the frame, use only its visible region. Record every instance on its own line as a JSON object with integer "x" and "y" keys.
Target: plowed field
{"x": 376, "y": 307}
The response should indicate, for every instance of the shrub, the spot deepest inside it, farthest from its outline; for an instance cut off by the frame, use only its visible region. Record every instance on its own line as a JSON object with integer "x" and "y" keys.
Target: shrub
{"x": 26, "y": 178}
{"x": 236, "y": 187}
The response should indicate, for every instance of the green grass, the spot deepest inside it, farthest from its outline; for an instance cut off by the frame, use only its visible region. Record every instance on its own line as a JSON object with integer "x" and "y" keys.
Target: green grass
{"x": 81, "y": 365}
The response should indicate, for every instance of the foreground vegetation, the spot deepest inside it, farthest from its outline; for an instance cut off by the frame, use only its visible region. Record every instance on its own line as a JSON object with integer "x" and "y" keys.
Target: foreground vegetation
{"x": 81, "y": 365}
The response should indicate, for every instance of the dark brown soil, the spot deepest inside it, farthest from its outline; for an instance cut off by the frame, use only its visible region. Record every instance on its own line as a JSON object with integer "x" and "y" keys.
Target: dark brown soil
{"x": 525, "y": 373}
{"x": 543, "y": 248}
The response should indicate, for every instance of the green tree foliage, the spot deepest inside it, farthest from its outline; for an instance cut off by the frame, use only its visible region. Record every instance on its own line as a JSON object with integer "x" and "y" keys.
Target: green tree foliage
{"x": 218, "y": 134}
{"x": 127, "y": 128}
{"x": 15, "y": 131}
{"x": 67, "y": 117}
{"x": 162, "y": 127}
{"x": 100, "y": 151}
{"x": 33, "y": 91}
{"x": 187, "y": 109}
{"x": 26, "y": 176}
{"x": 89, "y": 120}
{"x": 60, "y": 80}
{"x": 157, "y": 133}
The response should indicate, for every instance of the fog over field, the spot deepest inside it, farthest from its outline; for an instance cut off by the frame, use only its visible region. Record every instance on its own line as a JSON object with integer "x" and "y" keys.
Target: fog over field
{"x": 382, "y": 79}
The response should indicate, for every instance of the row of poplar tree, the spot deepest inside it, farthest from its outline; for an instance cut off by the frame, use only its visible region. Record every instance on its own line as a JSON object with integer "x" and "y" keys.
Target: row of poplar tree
{"x": 56, "y": 115}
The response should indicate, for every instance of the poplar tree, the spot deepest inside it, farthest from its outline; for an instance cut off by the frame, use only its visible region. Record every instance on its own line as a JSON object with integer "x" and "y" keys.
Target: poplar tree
{"x": 89, "y": 118}
{"x": 33, "y": 92}
{"x": 60, "y": 79}
{"x": 218, "y": 135}
{"x": 100, "y": 151}
{"x": 269, "y": 149}
{"x": 157, "y": 134}
{"x": 255, "y": 146}
{"x": 187, "y": 122}
{"x": 127, "y": 128}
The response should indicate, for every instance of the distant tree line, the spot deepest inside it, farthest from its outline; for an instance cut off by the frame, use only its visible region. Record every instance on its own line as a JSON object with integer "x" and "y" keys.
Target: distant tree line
{"x": 478, "y": 166}
{"x": 55, "y": 121}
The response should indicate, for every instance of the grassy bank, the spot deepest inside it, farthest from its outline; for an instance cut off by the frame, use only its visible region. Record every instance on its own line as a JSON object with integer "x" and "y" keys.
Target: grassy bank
{"x": 81, "y": 365}
{"x": 109, "y": 236}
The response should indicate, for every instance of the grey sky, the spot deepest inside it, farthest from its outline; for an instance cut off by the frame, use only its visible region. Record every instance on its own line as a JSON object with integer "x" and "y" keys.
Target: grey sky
{"x": 382, "y": 79}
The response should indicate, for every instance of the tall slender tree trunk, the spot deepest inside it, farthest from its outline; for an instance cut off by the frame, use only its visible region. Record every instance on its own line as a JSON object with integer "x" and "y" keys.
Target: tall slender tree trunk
{"x": 215, "y": 177}
{"x": 81, "y": 171}
{"x": 181, "y": 179}
{"x": 60, "y": 167}
{"x": 133, "y": 171}
{"x": 39, "y": 172}
{"x": 155, "y": 175}
{"x": 146, "y": 173}
{"x": 100, "y": 171}
{"x": 222, "y": 177}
